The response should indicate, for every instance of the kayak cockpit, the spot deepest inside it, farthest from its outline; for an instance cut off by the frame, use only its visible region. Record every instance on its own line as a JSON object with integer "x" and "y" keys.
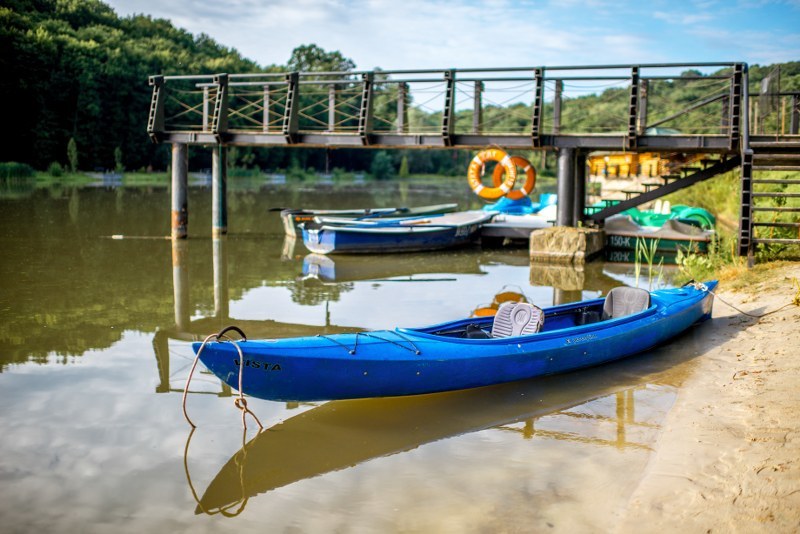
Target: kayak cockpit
{"x": 621, "y": 303}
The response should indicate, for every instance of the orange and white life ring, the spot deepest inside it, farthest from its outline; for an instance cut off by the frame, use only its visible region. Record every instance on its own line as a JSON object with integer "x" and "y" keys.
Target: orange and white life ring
{"x": 530, "y": 181}
{"x": 475, "y": 171}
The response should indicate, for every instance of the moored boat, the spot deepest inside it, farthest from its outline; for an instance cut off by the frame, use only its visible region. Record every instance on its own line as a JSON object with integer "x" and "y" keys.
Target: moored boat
{"x": 293, "y": 218}
{"x": 393, "y": 235}
{"x": 622, "y": 232}
{"x": 520, "y": 342}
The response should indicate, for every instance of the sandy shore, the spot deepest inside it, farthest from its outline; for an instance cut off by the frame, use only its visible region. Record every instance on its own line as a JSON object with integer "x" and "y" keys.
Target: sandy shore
{"x": 728, "y": 459}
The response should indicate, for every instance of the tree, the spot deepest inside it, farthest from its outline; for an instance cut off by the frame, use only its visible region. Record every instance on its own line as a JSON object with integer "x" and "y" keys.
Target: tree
{"x": 382, "y": 167}
{"x": 314, "y": 58}
{"x": 72, "y": 155}
{"x": 403, "y": 172}
{"x": 118, "y": 165}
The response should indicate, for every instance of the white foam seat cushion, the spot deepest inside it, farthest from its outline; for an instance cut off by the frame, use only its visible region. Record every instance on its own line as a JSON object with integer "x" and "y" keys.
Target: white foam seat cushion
{"x": 623, "y": 301}
{"x": 517, "y": 319}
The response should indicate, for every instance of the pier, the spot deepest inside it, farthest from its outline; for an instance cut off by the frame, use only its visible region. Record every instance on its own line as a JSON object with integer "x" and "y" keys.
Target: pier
{"x": 370, "y": 109}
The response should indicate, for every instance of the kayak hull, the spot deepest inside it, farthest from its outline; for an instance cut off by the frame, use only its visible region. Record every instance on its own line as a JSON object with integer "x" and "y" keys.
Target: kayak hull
{"x": 408, "y": 361}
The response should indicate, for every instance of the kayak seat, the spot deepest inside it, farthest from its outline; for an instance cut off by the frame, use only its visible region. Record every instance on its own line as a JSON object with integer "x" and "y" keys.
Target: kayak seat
{"x": 517, "y": 319}
{"x": 624, "y": 301}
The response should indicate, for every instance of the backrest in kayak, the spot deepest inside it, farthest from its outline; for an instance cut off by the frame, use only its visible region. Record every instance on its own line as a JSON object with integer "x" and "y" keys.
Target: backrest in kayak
{"x": 517, "y": 319}
{"x": 624, "y": 301}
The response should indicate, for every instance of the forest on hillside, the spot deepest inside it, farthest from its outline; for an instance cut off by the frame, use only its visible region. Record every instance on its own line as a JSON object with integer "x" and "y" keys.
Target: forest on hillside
{"x": 75, "y": 79}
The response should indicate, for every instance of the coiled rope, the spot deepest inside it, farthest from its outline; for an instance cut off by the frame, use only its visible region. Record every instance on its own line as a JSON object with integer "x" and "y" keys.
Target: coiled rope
{"x": 240, "y": 402}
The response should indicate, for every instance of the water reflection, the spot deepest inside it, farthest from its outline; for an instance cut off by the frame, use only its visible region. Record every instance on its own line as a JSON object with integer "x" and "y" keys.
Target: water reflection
{"x": 594, "y": 408}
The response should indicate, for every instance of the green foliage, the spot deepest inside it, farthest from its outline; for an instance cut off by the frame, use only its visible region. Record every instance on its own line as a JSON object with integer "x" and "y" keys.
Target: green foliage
{"x": 646, "y": 252}
{"x": 72, "y": 155}
{"x": 382, "y": 167}
{"x": 12, "y": 169}
{"x": 721, "y": 253}
{"x": 403, "y": 172}
{"x": 311, "y": 57}
{"x": 118, "y": 165}
{"x": 55, "y": 170}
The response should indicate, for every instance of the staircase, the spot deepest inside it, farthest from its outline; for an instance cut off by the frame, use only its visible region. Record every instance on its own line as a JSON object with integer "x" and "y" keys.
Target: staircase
{"x": 771, "y": 203}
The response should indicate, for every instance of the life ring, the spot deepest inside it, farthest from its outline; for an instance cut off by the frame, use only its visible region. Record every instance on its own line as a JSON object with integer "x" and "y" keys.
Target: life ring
{"x": 476, "y": 168}
{"x": 530, "y": 181}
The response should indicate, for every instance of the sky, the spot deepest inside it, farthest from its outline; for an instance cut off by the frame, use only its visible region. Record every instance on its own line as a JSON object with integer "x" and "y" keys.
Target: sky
{"x": 441, "y": 34}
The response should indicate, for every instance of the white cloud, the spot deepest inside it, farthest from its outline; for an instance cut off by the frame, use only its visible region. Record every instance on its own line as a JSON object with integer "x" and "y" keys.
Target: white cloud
{"x": 474, "y": 33}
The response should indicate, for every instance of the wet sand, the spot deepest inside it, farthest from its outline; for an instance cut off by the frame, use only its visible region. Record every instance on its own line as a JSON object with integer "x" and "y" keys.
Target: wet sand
{"x": 728, "y": 459}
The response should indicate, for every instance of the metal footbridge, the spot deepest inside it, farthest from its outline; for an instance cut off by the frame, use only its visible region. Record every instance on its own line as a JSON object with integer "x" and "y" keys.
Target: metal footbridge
{"x": 520, "y": 108}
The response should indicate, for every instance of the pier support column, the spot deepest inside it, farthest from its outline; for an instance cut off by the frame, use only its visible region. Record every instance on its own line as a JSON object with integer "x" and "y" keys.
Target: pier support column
{"x": 565, "y": 215}
{"x": 580, "y": 187}
{"x": 219, "y": 190}
{"x": 220, "y": 264}
{"x": 180, "y": 185}
{"x": 180, "y": 284}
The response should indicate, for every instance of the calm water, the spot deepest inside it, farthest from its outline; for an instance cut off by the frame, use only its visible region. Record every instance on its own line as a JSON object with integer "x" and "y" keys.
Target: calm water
{"x": 95, "y": 350}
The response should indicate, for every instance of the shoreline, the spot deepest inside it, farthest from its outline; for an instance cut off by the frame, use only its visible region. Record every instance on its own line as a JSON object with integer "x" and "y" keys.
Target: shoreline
{"x": 728, "y": 458}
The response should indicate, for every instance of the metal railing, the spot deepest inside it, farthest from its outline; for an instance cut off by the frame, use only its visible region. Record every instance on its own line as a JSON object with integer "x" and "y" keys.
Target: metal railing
{"x": 632, "y": 107}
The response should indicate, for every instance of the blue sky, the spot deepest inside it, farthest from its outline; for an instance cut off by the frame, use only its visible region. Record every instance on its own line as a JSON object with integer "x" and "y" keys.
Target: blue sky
{"x": 411, "y": 34}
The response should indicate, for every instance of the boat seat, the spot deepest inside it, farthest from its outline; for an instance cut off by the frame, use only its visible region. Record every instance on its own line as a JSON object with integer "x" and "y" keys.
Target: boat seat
{"x": 517, "y": 319}
{"x": 623, "y": 301}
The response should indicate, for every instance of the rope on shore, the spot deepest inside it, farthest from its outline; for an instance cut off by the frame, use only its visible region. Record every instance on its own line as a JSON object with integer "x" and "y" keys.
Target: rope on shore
{"x": 240, "y": 402}
{"x": 702, "y": 287}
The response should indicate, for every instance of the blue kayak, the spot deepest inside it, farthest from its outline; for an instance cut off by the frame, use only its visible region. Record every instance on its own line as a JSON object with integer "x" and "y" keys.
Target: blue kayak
{"x": 520, "y": 342}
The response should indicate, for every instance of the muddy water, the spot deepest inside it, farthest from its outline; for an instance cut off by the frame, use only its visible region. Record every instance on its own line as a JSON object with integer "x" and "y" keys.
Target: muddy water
{"x": 95, "y": 338}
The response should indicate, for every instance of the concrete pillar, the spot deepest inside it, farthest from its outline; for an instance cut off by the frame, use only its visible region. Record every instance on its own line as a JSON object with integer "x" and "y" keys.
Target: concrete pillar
{"x": 565, "y": 215}
{"x": 219, "y": 193}
{"x": 180, "y": 186}
{"x": 580, "y": 186}
{"x": 565, "y": 296}
{"x": 180, "y": 284}
{"x": 220, "y": 266}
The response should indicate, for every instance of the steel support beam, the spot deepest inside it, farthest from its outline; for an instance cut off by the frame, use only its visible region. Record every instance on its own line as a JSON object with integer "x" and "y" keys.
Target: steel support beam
{"x": 746, "y": 205}
{"x": 723, "y": 166}
{"x": 538, "y": 108}
{"x": 365, "y": 114}
{"x": 219, "y": 118}
{"x": 448, "y": 111}
{"x": 180, "y": 186}
{"x": 291, "y": 123}
{"x": 155, "y": 119}
{"x": 794, "y": 125}
{"x": 633, "y": 111}
{"x": 565, "y": 214}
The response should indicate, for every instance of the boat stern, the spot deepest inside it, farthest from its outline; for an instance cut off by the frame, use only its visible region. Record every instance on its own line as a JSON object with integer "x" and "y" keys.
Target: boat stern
{"x": 708, "y": 300}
